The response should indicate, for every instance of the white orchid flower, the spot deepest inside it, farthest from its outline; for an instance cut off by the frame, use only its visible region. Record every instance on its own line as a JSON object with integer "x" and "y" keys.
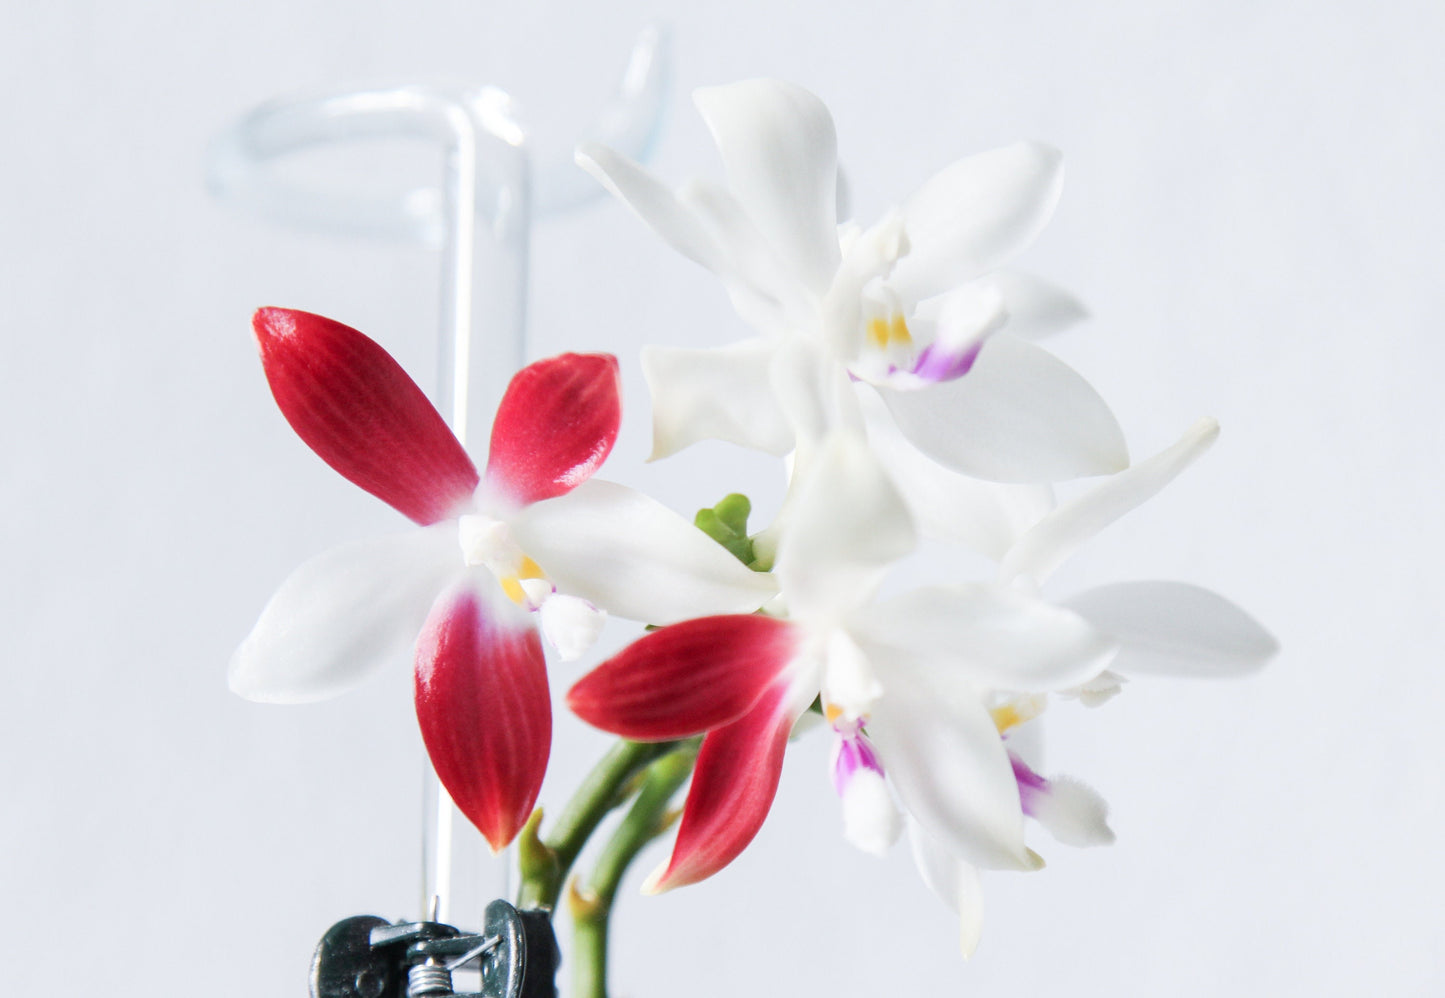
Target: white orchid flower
{"x": 1159, "y": 627}
{"x": 908, "y": 304}
{"x": 1163, "y": 628}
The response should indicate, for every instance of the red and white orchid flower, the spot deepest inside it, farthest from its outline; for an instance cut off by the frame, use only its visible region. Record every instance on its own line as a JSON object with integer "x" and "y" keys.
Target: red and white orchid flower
{"x": 534, "y": 544}
{"x": 912, "y": 304}
{"x": 908, "y": 674}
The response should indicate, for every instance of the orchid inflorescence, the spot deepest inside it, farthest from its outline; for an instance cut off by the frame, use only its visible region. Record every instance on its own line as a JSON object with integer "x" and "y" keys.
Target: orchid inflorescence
{"x": 895, "y": 368}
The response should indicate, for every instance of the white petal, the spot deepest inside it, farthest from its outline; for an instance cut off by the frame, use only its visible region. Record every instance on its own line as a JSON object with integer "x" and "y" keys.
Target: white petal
{"x": 1058, "y": 535}
{"x": 780, "y": 151}
{"x": 721, "y": 393}
{"x": 1020, "y": 415}
{"x": 974, "y": 215}
{"x": 953, "y": 880}
{"x": 655, "y": 204}
{"x": 946, "y": 760}
{"x": 870, "y": 818}
{"x": 847, "y": 526}
{"x": 570, "y": 625}
{"x": 345, "y": 614}
{"x": 632, "y": 556}
{"x": 765, "y": 293}
{"x": 1073, "y": 813}
{"x": 1035, "y": 307}
{"x": 987, "y": 517}
{"x": 1177, "y": 629}
{"x": 814, "y": 391}
{"x": 984, "y": 635}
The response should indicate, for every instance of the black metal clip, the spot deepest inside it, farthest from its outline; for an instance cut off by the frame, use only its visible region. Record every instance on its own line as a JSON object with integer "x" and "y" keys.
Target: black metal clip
{"x": 368, "y": 957}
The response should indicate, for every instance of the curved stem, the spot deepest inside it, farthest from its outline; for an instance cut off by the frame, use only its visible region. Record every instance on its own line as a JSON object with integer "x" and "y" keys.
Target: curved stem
{"x": 545, "y": 864}
{"x": 591, "y": 903}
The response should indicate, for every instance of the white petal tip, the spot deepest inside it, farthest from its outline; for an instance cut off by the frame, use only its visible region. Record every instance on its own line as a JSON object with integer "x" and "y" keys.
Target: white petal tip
{"x": 662, "y": 448}
{"x": 653, "y": 884}
{"x": 588, "y": 154}
{"x": 244, "y": 681}
{"x": 1047, "y": 157}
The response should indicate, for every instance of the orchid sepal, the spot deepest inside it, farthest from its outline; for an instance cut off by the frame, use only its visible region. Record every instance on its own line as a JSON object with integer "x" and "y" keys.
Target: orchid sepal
{"x": 733, "y": 786}
{"x": 362, "y": 414}
{"x": 483, "y": 707}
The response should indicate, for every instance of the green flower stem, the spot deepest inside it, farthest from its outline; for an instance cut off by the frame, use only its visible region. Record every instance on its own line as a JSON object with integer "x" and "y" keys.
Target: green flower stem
{"x": 545, "y": 865}
{"x": 591, "y": 903}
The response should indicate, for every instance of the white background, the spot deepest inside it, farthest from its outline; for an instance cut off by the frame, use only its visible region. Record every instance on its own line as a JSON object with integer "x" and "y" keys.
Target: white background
{"x": 1253, "y": 213}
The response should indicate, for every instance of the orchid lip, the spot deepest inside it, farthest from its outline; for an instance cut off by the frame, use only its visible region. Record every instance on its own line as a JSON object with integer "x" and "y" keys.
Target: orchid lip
{"x": 852, "y": 753}
{"x": 935, "y": 364}
{"x": 1031, "y": 784}
{"x": 1070, "y": 811}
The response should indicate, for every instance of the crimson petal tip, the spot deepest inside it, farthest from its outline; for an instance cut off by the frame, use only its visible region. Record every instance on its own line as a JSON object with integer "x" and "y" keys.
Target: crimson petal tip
{"x": 732, "y": 789}
{"x": 352, "y": 404}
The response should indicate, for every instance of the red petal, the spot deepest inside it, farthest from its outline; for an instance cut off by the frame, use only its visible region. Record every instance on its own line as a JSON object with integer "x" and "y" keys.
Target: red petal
{"x": 357, "y": 409}
{"x": 555, "y": 426}
{"x": 685, "y": 679}
{"x": 732, "y": 789}
{"x": 485, "y": 714}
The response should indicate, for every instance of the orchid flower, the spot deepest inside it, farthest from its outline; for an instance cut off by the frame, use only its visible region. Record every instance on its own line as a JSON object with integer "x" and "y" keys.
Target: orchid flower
{"x": 902, "y": 681}
{"x": 1159, "y": 627}
{"x": 534, "y": 544}
{"x": 1162, "y": 627}
{"x": 1072, "y": 812}
{"x": 908, "y": 304}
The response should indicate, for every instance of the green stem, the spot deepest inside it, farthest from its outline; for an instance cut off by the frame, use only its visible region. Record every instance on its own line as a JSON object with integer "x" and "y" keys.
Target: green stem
{"x": 545, "y": 865}
{"x": 591, "y": 904}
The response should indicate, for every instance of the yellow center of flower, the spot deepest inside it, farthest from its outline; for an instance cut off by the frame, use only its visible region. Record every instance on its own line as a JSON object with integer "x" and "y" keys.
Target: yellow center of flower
{"x": 512, "y": 584}
{"x": 1015, "y": 712}
{"x": 886, "y": 332}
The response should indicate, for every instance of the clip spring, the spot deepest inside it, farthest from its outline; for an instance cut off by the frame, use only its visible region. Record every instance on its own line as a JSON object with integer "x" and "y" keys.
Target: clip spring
{"x": 368, "y": 957}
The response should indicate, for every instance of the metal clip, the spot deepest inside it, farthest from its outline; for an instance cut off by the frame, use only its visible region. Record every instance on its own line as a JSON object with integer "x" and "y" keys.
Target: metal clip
{"x": 368, "y": 957}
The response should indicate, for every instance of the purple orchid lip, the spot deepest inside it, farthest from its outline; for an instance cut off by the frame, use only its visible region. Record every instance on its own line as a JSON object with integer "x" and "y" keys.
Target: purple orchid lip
{"x": 1031, "y": 784}
{"x": 936, "y": 363}
{"x": 850, "y": 754}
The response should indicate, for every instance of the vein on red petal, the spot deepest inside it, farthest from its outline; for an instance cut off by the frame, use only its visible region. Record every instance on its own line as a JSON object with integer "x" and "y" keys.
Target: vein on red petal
{"x": 685, "y": 679}
{"x": 359, "y": 411}
{"x": 732, "y": 789}
{"x": 556, "y": 425}
{"x": 484, "y": 710}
